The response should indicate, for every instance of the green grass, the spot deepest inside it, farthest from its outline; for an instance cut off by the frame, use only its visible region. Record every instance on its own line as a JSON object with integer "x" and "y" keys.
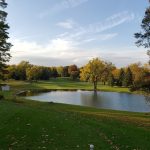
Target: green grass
{"x": 30, "y": 125}
{"x": 34, "y": 125}
{"x": 60, "y": 83}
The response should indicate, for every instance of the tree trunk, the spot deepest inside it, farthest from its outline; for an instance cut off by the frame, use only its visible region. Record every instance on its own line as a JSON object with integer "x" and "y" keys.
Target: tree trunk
{"x": 95, "y": 86}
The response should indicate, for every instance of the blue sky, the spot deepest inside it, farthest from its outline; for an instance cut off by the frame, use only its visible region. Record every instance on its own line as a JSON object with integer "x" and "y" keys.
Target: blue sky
{"x": 63, "y": 32}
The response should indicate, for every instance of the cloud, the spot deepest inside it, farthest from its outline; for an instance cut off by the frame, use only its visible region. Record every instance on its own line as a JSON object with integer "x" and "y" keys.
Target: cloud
{"x": 68, "y": 24}
{"x": 65, "y": 4}
{"x": 94, "y": 28}
{"x": 62, "y": 52}
{"x": 68, "y": 47}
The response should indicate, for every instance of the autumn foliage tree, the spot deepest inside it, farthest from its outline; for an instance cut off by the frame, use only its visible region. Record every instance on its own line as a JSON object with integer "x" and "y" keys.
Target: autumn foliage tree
{"x": 73, "y": 72}
{"x": 128, "y": 78}
{"x": 93, "y": 71}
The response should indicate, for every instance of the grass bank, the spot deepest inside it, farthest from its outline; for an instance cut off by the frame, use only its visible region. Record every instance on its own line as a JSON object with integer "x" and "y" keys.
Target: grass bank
{"x": 34, "y": 125}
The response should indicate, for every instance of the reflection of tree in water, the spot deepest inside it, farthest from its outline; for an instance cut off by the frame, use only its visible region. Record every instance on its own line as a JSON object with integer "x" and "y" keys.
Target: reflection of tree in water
{"x": 94, "y": 95}
{"x": 147, "y": 98}
{"x": 91, "y": 99}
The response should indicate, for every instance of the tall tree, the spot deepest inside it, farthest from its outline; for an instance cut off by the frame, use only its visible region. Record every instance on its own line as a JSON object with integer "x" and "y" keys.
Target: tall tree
{"x": 73, "y": 72}
{"x": 4, "y": 45}
{"x": 93, "y": 71}
{"x": 111, "y": 80}
{"x": 21, "y": 68}
{"x": 143, "y": 38}
{"x": 121, "y": 77}
{"x": 128, "y": 79}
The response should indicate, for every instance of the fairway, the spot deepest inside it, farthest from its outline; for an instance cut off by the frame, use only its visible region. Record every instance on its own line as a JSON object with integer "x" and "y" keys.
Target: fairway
{"x": 62, "y": 83}
{"x": 33, "y": 125}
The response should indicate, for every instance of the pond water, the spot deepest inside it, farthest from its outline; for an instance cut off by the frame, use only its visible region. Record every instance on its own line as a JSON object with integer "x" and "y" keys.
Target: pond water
{"x": 107, "y": 100}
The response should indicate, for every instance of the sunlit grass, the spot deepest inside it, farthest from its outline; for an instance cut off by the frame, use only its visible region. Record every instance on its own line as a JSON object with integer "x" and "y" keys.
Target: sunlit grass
{"x": 34, "y": 125}
{"x": 60, "y": 83}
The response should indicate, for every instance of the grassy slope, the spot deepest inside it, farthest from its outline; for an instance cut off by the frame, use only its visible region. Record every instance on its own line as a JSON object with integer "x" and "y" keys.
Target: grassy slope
{"x": 34, "y": 125}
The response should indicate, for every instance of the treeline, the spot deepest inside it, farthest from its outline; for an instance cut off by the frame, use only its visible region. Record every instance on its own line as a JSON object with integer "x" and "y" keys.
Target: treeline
{"x": 26, "y": 71}
{"x": 135, "y": 76}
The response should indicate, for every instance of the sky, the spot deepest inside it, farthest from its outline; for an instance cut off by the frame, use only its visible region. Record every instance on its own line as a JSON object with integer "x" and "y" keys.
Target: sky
{"x": 64, "y": 32}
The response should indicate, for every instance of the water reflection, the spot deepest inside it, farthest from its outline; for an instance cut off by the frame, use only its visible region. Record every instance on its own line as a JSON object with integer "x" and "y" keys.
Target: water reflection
{"x": 109, "y": 100}
{"x": 147, "y": 98}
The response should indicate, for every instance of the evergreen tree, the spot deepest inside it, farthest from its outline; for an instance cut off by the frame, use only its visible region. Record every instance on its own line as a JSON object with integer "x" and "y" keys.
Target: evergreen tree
{"x": 128, "y": 79}
{"x": 144, "y": 36}
{"x": 111, "y": 80}
{"x": 121, "y": 77}
{"x": 4, "y": 45}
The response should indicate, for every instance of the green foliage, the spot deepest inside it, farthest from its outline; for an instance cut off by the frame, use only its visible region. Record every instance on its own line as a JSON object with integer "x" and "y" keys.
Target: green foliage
{"x": 128, "y": 79}
{"x": 4, "y": 45}
{"x": 143, "y": 38}
{"x": 121, "y": 77}
{"x": 33, "y": 73}
{"x": 21, "y": 69}
{"x": 111, "y": 80}
{"x": 65, "y": 71}
{"x": 109, "y": 67}
{"x": 45, "y": 73}
{"x": 54, "y": 72}
{"x": 60, "y": 71}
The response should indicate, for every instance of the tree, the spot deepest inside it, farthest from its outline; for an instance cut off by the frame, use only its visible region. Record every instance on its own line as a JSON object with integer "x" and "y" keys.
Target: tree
{"x": 73, "y": 72}
{"x": 13, "y": 72}
{"x": 33, "y": 73}
{"x": 72, "y": 68}
{"x": 4, "y": 45}
{"x": 107, "y": 72}
{"x": 45, "y": 73}
{"x": 137, "y": 72}
{"x": 74, "y": 75}
{"x": 121, "y": 77}
{"x": 65, "y": 71}
{"x": 148, "y": 53}
{"x": 21, "y": 68}
{"x": 143, "y": 38}
{"x": 93, "y": 71}
{"x": 111, "y": 80}
{"x": 60, "y": 71}
{"x": 54, "y": 72}
{"x": 128, "y": 79}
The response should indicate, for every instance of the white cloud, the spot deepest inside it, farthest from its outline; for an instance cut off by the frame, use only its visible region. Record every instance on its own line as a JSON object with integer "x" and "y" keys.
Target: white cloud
{"x": 63, "y": 52}
{"x": 64, "y": 4}
{"x": 68, "y": 24}
{"x": 94, "y": 28}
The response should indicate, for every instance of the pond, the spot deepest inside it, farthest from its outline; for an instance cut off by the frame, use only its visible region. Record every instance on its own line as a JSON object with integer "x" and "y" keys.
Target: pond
{"x": 106, "y": 100}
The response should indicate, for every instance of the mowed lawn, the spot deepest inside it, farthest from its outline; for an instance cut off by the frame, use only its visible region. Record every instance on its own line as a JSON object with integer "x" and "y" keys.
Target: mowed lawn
{"x": 62, "y": 83}
{"x": 28, "y": 125}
